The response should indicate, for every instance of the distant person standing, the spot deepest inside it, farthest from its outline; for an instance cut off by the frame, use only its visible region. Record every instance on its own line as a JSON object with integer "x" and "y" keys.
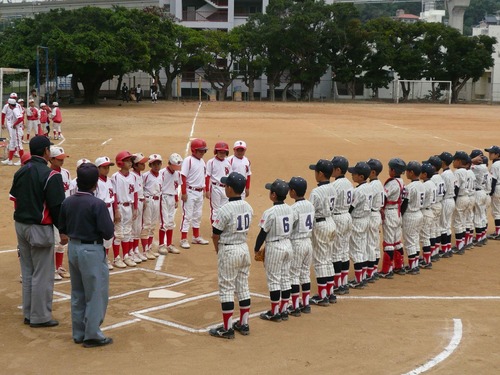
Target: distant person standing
{"x": 56, "y": 118}
{"x": 154, "y": 92}
{"x": 86, "y": 221}
{"x": 33, "y": 96}
{"x": 38, "y": 194}
{"x": 125, "y": 93}
{"x": 138, "y": 93}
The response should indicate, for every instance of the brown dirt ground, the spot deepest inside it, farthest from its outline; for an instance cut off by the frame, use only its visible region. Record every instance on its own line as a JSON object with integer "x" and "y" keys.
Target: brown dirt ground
{"x": 385, "y": 336}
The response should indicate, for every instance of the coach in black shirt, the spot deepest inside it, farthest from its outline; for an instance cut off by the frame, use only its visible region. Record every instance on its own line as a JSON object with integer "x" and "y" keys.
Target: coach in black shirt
{"x": 37, "y": 192}
{"x": 85, "y": 220}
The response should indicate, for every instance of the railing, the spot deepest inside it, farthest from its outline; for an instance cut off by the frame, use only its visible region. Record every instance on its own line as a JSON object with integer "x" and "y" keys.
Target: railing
{"x": 198, "y": 16}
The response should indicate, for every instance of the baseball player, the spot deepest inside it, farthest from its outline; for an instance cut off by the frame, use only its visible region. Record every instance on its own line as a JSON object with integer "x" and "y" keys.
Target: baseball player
{"x": 481, "y": 174}
{"x": 217, "y": 167}
{"x": 73, "y": 186}
{"x": 343, "y": 227}
{"x": 105, "y": 192}
{"x": 152, "y": 194}
{"x": 193, "y": 172}
{"x": 429, "y": 218}
{"x": 229, "y": 234}
{"x": 240, "y": 163}
{"x": 469, "y": 213}
{"x": 56, "y": 117}
{"x": 391, "y": 219}
{"x": 436, "y": 207}
{"x": 378, "y": 198}
{"x": 44, "y": 119}
{"x": 411, "y": 209}
{"x": 12, "y": 120}
{"x": 450, "y": 182}
{"x": 171, "y": 180}
{"x": 300, "y": 268}
{"x": 57, "y": 158}
{"x": 138, "y": 165}
{"x": 275, "y": 229}
{"x": 33, "y": 120}
{"x": 494, "y": 156}
{"x": 488, "y": 186}
{"x": 323, "y": 199}
{"x": 360, "y": 210}
{"x": 126, "y": 201}
{"x": 464, "y": 181}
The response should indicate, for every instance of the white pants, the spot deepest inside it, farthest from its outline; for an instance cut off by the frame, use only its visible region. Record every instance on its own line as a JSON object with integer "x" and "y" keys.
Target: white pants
{"x": 150, "y": 216}
{"x": 192, "y": 209}
{"x": 300, "y": 268}
{"x": 167, "y": 212}
{"x": 277, "y": 263}
{"x": 233, "y": 263}
{"x": 123, "y": 229}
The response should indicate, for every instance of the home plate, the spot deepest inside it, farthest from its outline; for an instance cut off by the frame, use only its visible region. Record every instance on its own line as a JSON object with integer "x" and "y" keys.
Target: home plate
{"x": 164, "y": 293}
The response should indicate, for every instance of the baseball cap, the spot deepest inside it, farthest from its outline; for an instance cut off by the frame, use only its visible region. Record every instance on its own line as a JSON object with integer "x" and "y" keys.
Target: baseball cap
{"x": 58, "y": 153}
{"x": 397, "y": 164}
{"x": 80, "y": 162}
{"x": 429, "y": 169}
{"x": 475, "y": 153}
{"x": 31, "y": 101}
{"x": 21, "y": 100}
{"x": 38, "y": 143}
{"x": 139, "y": 158}
{"x": 86, "y": 176}
{"x": 25, "y": 158}
{"x": 103, "y": 161}
{"x": 299, "y": 185}
{"x": 485, "y": 160}
{"x": 435, "y": 161}
{"x": 279, "y": 187}
{"x": 461, "y": 155}
{"x": 340, "y": 162}
{"x": 155, "y": 157}
{"x": 43, "y": 105}
{"x": 324, "y": 166}
{"x": 240, "y": 144}
{"x": 493, "y": 149}
{"x": 414, "y": 166}
{"x": 175, "y": 159}
{"x": 55, "y": 104}
{"x": 446, "y": 157}
{"x": 361, "y": 168}
{"x": 235, "y": 180}
{"x": 12, "y": 101}
{"x": 13, "y": 95}
{"x": 375, "y": 165}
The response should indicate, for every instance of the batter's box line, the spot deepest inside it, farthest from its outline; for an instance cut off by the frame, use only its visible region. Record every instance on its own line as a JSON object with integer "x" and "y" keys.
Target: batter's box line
{"x": 141, "y": 314}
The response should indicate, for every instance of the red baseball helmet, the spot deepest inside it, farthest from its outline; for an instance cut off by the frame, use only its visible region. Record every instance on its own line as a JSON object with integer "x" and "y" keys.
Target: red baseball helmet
{"x": 121, "y": 156}
{"x": 221, "y": 146}
{"x": 198, "y": 144}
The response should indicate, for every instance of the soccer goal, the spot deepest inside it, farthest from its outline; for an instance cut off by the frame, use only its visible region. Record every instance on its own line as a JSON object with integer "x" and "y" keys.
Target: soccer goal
{"x": 14, "y": 80}
{"x": 422, "y": 91}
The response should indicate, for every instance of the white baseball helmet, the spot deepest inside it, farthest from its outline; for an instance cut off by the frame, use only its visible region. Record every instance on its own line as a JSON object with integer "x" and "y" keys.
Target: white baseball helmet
{"x": 82, "y": 161}
{"x": 175, "y": 159}
{"x": 55, "y": 104}
{"x": 103, "y": 161}
{"x": 13, "y": 95}
{"x": 155, "y": 157}
{"x": 12, "y": 101}
{"x": 240, "y": 144}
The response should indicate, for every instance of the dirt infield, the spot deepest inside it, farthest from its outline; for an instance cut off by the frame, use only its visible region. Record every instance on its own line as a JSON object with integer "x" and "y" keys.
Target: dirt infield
{"x": 391, "y": 327}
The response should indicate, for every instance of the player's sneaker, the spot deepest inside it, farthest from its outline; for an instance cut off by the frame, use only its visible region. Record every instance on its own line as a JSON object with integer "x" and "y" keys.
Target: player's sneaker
{"x": 172, "y": 249}
{"x": 63, "y": 273}
{"x": 222, "y": 333}
{"x": 17, "y": 163}
{"x": 388, "y": 275}
{"x": 425, "y": 265}
{"x": 57, "y": 276}
{"x": 399, "y": 271}
{"x": 110, "y": 266}
{"x": 332, "y": 298}
{"x": 341, "y": 290}
{"x": 185, "y": 244}
{"x": 413, "y": 271}
{"x": 129, "y": 261}
{"x": 135, "y": 257}
{"x": 162, "y": 250}
{"x": 268, "y": 315}
{"x": 119, "y": 263}
{"x": 305, "y": 309}
{"x": 355, "y": 285}
{"x": 435, "y": 258}
{"x": 492, "y": 236}
{"x": 143, "y": 256}
{"x": 284, "y": 316}
{"x": 199, "y": 241}
{"x": 150, "y": 255}
{"x": 318, "y": 301}
{"x": 244, "y": 329}
{"x": 294, "y": 312}
{"x": 7, "y": 162}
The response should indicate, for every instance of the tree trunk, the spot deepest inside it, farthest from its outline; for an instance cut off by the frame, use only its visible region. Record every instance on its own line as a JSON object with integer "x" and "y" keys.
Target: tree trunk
{"x": 406, "y": 91}
{"x": 251, "y": 87}
{"x": 271, "y": 92}
{"x": 91, "y": 91}
{"x": 74, "y": 86}
{"x": 285, "y": 91}
{"x": 118, "y": 91}
{"x": 352, "y": 89}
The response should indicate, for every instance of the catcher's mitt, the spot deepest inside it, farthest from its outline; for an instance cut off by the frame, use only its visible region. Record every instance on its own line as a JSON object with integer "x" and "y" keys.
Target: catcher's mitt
{"x": 260, "y": 255}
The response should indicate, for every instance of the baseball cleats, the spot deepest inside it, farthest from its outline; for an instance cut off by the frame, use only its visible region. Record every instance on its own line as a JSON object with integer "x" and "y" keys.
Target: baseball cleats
{"x": 63, "y": 273}
{"x": 185, "y": 244}
{"x": 118, "y": 262}
{"x": 222, "y": 333}
{"x": 268, "y": 315}
{"x": 388, "y": 275}
{"x": 143, "y": 256}
{"x": 172, "y": 249}
{"x": 17, "y": 163}
{"x": 150, "y": 255}
{"x": 355, "y": 285}
{"x": 413, "y": 271}
{"x": 110, "y": 266}
{"x": 199, "y": 241}
{"x": 294, "y": 312}
{"x": 135, "y": 257}
{"x": 244, "y": 329}
{"x": 343, "y": 289}
{"x": 399, "y": 271}
{"x": 305, "y": 309}
{"x": 57, "y": 277}
{"x": 162, "y": 249}
{"x": 7, "y": 162}
{"x": 284, "y": 316}
{"x": 129, "y": 261}
{"x": 492, "y": 236}
{"x": 318, "y": 301}
{"x": 425, "y": 265}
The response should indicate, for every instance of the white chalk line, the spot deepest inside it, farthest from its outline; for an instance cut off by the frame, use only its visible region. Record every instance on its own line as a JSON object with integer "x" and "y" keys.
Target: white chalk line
{"x": 121, "y": 324}
{"x": 193, "y": 125}
{"x": 159, "y": 262}
{"x": 464, "y": 298}
{"x": 450, "y": 348}
{"x": 106, "y": 141}
{"x": 7, "y": 251}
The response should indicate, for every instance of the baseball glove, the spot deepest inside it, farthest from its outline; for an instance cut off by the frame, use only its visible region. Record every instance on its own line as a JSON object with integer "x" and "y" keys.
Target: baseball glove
{"x": 260, "y": 255}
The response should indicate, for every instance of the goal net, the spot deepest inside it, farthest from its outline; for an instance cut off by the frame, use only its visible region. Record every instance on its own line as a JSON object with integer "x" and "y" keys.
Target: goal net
{"x": 422, "y": 91}
{"x": 14, "y": 80}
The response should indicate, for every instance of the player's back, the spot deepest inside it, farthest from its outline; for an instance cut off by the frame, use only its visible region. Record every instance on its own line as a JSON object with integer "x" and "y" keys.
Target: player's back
{"x": 344, "y": 195}
{"x": 303, "y": 219}
{"x": 234, "y": 219}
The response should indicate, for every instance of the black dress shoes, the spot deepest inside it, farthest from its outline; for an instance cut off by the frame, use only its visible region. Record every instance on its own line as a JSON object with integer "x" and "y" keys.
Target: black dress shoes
{"x": 95, "y": 343}
{"x": 26, "y": 321}
{"x": 50, "y": 323}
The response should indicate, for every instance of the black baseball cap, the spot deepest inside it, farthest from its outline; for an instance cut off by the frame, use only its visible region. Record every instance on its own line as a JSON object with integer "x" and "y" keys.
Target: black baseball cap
{"x": 86, "y": 176}
{"x": 461, "y": 155}
{"x": 397, "y": 164}
{"x": 435, "y": 161}
{"x": 475, "y": 153}
{"x": 429, "y": 169}
{"x": 375, "y": 165}
{"x": 446, "y": 157}
{"x": 493, "y": 149}
{"x": 324, "y": 166}
{"x": 235, "y": 180}
{"x": 361, "y": 168}
{"x": 340, "y": 162}
{"x": 279, "y": 187}
{"x": 39, "y": 143}
{"x": 485, "y": 160}
{"x": 299, "y": 185}
{"x": 414, "y": 166}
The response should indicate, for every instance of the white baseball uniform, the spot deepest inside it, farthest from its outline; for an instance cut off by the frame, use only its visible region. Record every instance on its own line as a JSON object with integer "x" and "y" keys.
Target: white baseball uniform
{"x": 56, "y": 117}
{"x": 242, "y": 166}
{"x": 105, "y": 192}
{"x": 373, "y": 241}
{"x": 392, "y": 222}
{"x": 216, "y": 169}
{"x": 152, "y": 195}
{"x": 342, "y": 219}
{"x": 495, "y": 197}
{"x": 450, "y": 181}
{"x": 126, "y": 197}
{"x": 171, "y": 180}
{"x": 303, "y": 223}
{"x": 12, "y": 115}
{"x": 33, "y": 120}
{"x": 462, "y": 201}
{"x": 137, "y": 223}
{"x": 428, "y": 221}
{"x": 361, "y": 212}
{"x": 194, "y": 170}
{"x": 482, "y": 175}
{"x": 413, "y": 218}
{"x": 437, "y": 207}
{"x": 471, "y": 188}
